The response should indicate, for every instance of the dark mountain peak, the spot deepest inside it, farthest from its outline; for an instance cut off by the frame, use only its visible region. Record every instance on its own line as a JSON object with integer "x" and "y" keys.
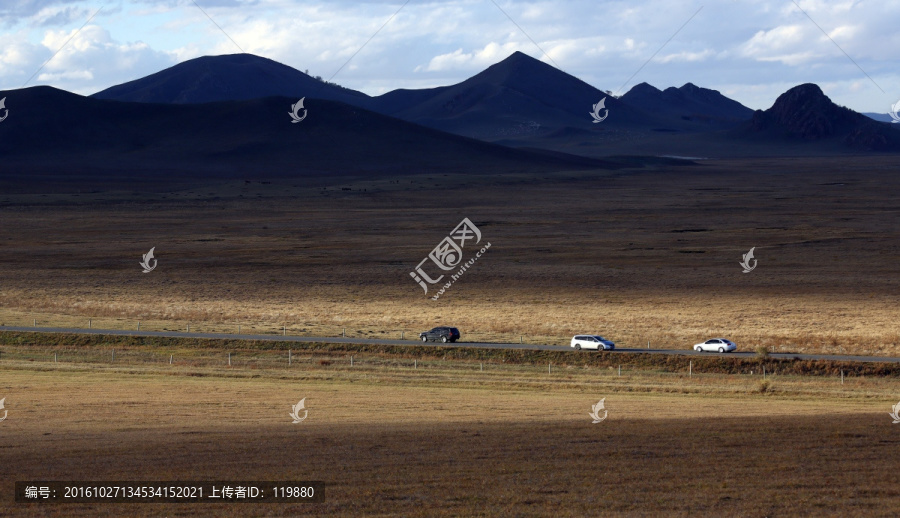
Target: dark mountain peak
{"x": 518, "y": 97}
{"x": 805, "y": 89}
{"x": 519, "y": 56}
{"x": 516, "y": 68}
{"x": 33, "y": 93}
{"x": 697, "y": 93}
{"x": 228, "y": 59}
{"x": 673, "y": 94}
{"x": 688, "y": 104}
{"x": 228, "y": 77}
{"x": 806, "y": 97}
{"x": 643, "y": 89}
{"x": 806, "y": 112}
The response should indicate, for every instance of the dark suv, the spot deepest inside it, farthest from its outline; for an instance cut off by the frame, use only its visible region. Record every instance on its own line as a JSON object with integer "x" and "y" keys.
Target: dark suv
{"x": 444, "y": 334}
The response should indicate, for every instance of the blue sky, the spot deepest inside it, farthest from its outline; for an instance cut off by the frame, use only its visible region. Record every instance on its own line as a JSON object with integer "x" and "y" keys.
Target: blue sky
{"x": 750, "y": 50}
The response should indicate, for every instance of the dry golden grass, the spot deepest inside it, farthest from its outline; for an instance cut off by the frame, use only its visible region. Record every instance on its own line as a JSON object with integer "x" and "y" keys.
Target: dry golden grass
{"x": 432, "y": 366}
{"x": 637, "y": 256}
{"x": 392, "y": 441}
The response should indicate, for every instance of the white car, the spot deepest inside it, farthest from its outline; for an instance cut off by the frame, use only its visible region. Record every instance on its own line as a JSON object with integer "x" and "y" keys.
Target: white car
{"x": 720, "y": 345}
{"x": 592, "y": 342}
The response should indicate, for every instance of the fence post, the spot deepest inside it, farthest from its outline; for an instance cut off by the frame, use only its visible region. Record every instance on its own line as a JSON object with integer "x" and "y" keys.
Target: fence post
{"x": 482, "y": 366}
{"x": 229, "y": 359}
{"x": 620, "y": 370}
{"x": 764, "y": 372}
{"x": 648, "y": 344}
{"x": 842, "y": 376}
{"x": 401, "y": 335}
{"x": 188, "y": 328}
{"x": 290, "y": 356}
{"x": 283, "y": 330}
{"x": 90, "y": 325}
{"x": 139, "y": 325}
{"x": 113, "y": 355}
{"x": 691, "y": 369}
{"x": 34, "y": 322}
{"x": 416, "y": 364}
{"x": 548, "y": 367}
{"x": 55, "y": 359}
{"x": 170, "y": 358}
{"x": 521, "y": 339}
{"x": 351, "y": 361}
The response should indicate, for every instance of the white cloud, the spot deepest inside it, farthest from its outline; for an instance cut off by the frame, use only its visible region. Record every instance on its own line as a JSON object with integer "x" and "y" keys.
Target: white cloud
{"x": 686, "y": 56}
{"x": 90, "y": 58}
{"x": 486, "y": 56}
{"x": 85, "y": 75}
{"x": 779, "y": 39}
{"x": 15, "y": 54}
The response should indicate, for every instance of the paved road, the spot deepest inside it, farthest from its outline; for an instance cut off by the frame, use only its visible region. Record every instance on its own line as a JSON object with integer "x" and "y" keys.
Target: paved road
{"x": 484, "y": 345}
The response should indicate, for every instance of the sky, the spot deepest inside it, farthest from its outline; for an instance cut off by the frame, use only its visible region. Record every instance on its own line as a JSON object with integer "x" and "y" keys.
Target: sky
{"x": 750, "y": 50}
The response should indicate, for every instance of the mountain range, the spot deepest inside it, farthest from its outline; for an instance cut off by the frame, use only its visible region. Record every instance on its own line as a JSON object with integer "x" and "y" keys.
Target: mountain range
{"x": 520, "y": 102}
{"x": 56, "y": 133}
{"x": 517, "y": 96}
{"x": 228, "y": 116}
{"x": 689, "y": 103}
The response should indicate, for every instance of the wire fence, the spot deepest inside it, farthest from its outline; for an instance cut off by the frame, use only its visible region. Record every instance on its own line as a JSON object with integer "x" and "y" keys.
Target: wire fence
{"x": 301, "y": 364}
{"x": 274, "y": 360}
{"x": 304, "y": 359}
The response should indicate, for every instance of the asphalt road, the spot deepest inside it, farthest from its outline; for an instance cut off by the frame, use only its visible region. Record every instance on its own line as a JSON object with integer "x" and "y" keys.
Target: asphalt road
{"x": 486, "y": 345}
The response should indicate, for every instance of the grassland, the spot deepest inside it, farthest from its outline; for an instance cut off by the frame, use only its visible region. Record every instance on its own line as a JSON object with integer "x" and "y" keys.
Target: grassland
{"x": 446, "y": 438}
{"x": 638, "y": 256}
{"x": 643, "y": 255}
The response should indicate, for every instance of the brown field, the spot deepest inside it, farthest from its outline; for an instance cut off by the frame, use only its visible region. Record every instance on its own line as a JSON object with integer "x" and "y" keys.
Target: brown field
{"x": 451, "y": 440}
{"x": 638, "y": 256}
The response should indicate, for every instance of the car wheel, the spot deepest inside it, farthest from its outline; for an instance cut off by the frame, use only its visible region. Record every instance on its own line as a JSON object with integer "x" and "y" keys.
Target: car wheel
{"x": 577, "y": 347}
{"x": 721, "y": 349}
{"x": 424, "y": 338}
{"x": 698, "y": 349}
{"x": 444, "y": 339}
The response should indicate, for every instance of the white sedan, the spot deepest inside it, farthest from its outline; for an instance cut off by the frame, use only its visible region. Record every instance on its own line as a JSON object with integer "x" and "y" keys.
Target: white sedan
{"x": 592, "y": 342}
{"x": 716, "y": 345}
